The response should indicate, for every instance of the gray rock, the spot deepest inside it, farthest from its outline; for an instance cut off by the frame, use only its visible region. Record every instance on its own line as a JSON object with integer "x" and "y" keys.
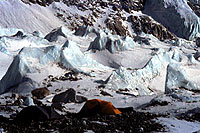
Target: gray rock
{"x": 68, "y": 97}
{"x": 197, "y": 55}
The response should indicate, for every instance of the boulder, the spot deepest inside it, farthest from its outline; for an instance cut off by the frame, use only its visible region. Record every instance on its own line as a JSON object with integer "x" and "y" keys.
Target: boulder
{"x": 68, "y": 96}
{"x": 160, "y": 100}
{"x": 176, "y": 15}
{"x": 197, "y": 55}
{"x": 36, "y": 113}
{"x": 40, "y": 93}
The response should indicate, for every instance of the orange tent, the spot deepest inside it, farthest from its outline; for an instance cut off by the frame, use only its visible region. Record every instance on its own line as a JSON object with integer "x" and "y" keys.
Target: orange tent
{"x": 99, "y": 106}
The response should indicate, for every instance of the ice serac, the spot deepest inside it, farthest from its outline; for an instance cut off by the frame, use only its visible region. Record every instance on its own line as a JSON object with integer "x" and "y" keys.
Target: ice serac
{"x": 166, "y": 70}
{"x": 175, "y": 15}
{"x": 182, "y": 77}
{"x": 138, "y": 81}
{"x": 111, "y": 42}
{"x": 12, "y": 44}
{"x": 26, "y": 62}
{"x": 33, "y": 59}
{"x": 73, "y": 58}
{"x": 9, "y": 31}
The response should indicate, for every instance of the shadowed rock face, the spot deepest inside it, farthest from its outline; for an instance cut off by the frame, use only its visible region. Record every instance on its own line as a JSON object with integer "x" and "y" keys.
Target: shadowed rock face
{"x": 195, "y": 7}
{"x": 117, "y": 28}
{"x": 127, "y": 5}
{"x": 146, "y": 25}
{"x": 40, "y": 2}
{"x": 176, "y": 15}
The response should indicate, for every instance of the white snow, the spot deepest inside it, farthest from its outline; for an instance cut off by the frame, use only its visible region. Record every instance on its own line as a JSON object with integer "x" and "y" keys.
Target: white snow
{"x": 16, "y": 14}
{"x": 180, "y": 126}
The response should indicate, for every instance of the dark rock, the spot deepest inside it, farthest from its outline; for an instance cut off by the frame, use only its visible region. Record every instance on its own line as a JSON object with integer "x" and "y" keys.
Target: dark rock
{"x": 19, "y": 34}
{"x": 40, "y": 2}
{"x": 130, "y": 121}
{"x": 15, "y": 96}
{"x": 57, "y": 106}
{"x": 197, "y": 55}
{"x": 72, "y": 76}
{"x": 191, "y": 115}
{"x": 18, "y": 102}
{"x": 145, "y": 24}
{"x": 84, "y": 31}
{"x": 104, "y": 93}
{"x": 194, "y": 7}
{"x": 3, "y": 119}
{"x": 40, "y": 93}
{"x": 198, "y": 42}
{"x": 136, "y": 5}
{"x": 116, "y": 27}
{"x": 142, "y": 40}
{"x": 36, "y": 113}
{"x": 36, "y": 33}
{"x": 68, "y": 97}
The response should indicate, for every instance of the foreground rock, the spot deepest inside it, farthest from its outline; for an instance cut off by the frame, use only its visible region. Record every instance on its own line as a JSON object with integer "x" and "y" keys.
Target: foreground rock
{"x": 68, "y": 96}
{"x": 130, "y": 121}
{"x": 36, "y": 113}
{"x": 40, "y": 93}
